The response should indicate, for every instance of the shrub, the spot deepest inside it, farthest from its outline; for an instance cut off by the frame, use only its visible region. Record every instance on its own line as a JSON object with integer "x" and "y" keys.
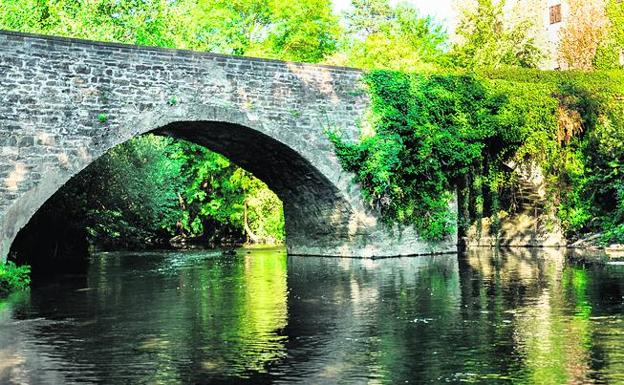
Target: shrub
{"x": 13, "y": 278}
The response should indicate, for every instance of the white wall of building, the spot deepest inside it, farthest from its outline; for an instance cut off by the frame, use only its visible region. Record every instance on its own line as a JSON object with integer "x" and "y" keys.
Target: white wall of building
{"x": 547, "y": 35}
{"x": 553, "y": 32}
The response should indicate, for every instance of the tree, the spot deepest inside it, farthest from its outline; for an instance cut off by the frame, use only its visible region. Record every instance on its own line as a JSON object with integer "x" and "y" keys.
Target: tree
{"x": 382, "y": 36}
{"x": 485, "y": 38}
{"x": 130, "y": 195}
{"x": 307, "y": 31}
{"x": 610, "y": 52}
{"x": 302, "y": 31}
{"x": 581, "y": 38}
{"x": 144, "y": 22}
{"x": 219, "y": 197}
{"x": 615, "y": 13}
{"x": 368, "y": 16}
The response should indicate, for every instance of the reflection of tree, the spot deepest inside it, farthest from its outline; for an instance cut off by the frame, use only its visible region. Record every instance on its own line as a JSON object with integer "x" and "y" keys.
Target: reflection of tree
{"x": 547, "y": 307}
{"x": 176, "y": 318}
{"x": 427, "y": 304}
{"x": 606, "y": 294}
{"x": 236, "y": 310}
{"x": 513, "y": 317}
{"x": 554, "y": 331}
{"x": 372, "y": 319}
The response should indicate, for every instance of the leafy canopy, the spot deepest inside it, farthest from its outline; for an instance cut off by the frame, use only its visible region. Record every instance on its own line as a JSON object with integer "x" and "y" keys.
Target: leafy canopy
{"x": 305, "y": 31}
{"x": 488, "y": 39}
{"x": 393, "y": 37}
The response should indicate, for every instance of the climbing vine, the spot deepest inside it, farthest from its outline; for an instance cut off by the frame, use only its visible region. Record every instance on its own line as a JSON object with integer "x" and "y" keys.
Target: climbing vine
{"x": 435, "y": 134}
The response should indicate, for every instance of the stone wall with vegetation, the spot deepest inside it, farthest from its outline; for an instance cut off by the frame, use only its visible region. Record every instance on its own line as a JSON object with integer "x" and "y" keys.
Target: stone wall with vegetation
{"x": 485, "y": 133}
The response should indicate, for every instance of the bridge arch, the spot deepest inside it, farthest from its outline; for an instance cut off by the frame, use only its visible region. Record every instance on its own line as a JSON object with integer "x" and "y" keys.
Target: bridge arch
{"x": 316, "y": 210}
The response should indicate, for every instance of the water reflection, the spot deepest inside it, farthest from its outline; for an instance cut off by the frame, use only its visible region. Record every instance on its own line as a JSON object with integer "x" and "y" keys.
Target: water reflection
{"x": 369, "y": 321}
{"x": 550, "y": 309}
{"x": 159, "y": 318}
{"x": 521, "y": 317}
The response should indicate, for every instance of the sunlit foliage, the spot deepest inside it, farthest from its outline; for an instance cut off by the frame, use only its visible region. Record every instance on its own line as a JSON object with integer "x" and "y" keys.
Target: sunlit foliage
{"x": 395, "y": 37}
{"x": 305, "y": 31}
{"x": 437, "y": 132}
{"x": 610, "y": 51}
{"x": 487, "y": 39}
{"x": 13, "y": 278}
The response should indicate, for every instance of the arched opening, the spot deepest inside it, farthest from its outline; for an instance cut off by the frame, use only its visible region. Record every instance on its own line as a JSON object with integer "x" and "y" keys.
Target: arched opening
{"x": 313, "y": 207}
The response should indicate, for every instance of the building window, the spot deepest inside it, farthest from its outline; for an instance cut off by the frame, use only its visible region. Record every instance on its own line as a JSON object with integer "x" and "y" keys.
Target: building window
{"x": 555, "y": 14}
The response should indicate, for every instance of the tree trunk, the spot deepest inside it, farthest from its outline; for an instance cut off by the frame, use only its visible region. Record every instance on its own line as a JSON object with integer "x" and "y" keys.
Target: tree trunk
{"x": 251, "y": 237}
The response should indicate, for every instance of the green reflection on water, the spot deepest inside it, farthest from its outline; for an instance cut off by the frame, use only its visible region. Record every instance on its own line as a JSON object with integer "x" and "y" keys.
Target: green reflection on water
{"x": 222, "y": 313}
{"x": 554, "y": 331}
{"x": 549, "y": 305}
{"x": 514, "y": 317}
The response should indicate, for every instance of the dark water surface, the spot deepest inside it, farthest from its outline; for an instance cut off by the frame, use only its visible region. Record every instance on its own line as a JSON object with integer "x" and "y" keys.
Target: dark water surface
{"x": 259, "y": 318}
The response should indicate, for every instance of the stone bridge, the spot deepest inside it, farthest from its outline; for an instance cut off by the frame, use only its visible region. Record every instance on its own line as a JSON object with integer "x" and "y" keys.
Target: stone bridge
{"x": 65, "y": 102}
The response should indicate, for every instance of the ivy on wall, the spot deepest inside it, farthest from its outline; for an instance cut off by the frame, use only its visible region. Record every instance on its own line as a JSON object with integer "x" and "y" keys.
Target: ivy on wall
{"x": 436, "y": 133}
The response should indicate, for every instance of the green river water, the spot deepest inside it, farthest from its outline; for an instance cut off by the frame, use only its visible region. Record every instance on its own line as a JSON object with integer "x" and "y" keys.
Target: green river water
{"x": 262, "y": 317}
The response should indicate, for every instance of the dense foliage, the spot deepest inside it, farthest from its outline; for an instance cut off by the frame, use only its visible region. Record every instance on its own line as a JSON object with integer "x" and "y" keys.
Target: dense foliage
{"x": 488, "y": 38}
{"x": 153, "y": 188}
{"x": 13, "y": 278}
{"x": 611, "y": 48}
{"x": 433, "y": 133}
{"x": 304, "y": 31}
{"x": 615, "y": 13}
{"x": 217, "y": 193}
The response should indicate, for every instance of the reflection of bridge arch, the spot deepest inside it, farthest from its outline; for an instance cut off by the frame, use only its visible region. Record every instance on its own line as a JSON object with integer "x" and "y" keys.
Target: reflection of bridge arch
{"x": 69, "y": 101}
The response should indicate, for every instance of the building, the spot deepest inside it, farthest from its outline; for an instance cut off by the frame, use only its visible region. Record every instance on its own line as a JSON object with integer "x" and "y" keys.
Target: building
{"x": 555, "y": 15}
{"x": 550, "y": 18}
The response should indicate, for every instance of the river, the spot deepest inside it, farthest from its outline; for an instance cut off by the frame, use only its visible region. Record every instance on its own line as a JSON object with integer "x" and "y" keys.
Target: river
{"x": 262, "y": 317}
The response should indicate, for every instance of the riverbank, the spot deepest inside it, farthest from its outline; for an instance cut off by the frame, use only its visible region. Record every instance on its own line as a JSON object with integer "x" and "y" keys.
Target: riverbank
{"x": 588, "y": 254}
{"x": 596, "y": 254}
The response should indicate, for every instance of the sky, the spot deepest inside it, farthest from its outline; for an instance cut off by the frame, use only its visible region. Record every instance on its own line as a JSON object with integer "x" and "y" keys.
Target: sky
{"x": 441, "y": 10}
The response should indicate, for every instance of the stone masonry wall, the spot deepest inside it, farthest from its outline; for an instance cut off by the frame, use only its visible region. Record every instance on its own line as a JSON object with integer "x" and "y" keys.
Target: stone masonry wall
{"x": 64, "y": 102}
